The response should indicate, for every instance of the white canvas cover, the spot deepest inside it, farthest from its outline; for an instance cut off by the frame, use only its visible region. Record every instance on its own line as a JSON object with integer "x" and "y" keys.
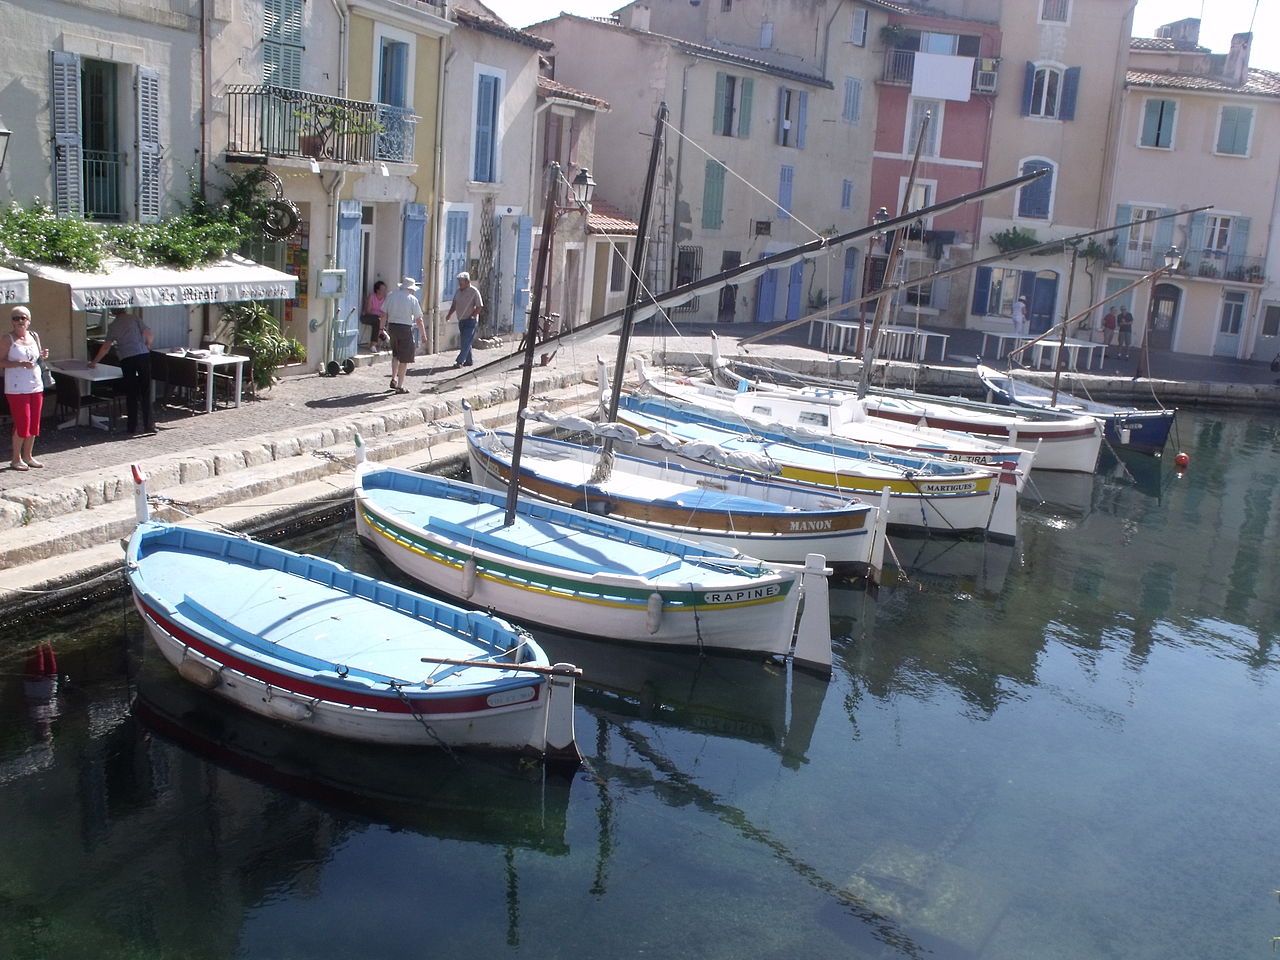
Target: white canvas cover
{"x": 228, "y": 280}
{"x": 13, "y": 286}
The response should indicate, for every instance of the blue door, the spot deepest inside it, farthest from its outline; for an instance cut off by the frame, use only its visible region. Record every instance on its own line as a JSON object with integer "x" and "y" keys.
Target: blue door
{"x": 766, "y": 296}
{"x": 1041, "y": 303}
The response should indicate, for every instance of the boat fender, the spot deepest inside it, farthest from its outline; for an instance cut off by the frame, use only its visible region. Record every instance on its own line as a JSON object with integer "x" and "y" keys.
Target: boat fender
{"x": 1125, "y": 434}
{"x": 286, "y": 708}
{"x": 201, "y": 674}
{"x": 1181, "y": 459}
{"x": 468, "y": 578}
{"x": 653, "y": 615}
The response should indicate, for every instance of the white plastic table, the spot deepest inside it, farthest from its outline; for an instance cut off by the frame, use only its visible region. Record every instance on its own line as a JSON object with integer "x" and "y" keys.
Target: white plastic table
{"x": 80, "y": 370}
{"x": 209, "y": 363}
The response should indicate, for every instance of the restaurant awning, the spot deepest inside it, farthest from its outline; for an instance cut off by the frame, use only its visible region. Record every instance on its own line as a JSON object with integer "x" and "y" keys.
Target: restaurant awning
{"x": 129, "y": 285}
{"x": 13, "y": 287}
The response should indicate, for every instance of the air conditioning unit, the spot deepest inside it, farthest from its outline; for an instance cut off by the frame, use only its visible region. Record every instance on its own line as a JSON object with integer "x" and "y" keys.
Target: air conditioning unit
{"x": 984, "y": 81}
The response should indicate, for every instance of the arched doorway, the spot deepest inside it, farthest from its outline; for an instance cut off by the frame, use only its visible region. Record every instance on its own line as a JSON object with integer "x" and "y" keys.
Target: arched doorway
{"x": 1164, "y": 316}
{"x": 1043, "y": 300}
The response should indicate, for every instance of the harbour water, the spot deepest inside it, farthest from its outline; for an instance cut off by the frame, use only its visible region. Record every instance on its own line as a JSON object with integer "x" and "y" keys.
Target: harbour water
{"x": 1062, "y": 748}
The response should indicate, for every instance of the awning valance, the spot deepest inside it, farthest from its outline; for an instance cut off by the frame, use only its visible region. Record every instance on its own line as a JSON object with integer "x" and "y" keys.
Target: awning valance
{"x": 129, "y": 285}
{"x": 13, "y": 287}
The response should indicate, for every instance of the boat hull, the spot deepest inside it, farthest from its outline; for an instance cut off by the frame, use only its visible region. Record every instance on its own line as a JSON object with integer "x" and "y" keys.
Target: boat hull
{"x": 769, "y": 521}
{"x": 710, "y": 599}
{"x": 303, "y": 641}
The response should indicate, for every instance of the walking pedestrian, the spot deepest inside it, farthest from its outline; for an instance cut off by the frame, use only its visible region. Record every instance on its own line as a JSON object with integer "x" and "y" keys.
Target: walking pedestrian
{"x": 403, "y": 314}
{"x": 1124, "y": 332}
{"x": 22, "y": 355}
{"x": 1020, "y": 316}
{"x": 132, "y": 340}
{"x": 467, "y": 304}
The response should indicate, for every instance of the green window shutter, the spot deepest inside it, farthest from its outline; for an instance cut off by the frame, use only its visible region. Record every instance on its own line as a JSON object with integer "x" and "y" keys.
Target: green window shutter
{"x": 744, "y": 108}
{"x": 149, "y": 167}
{"x": 713, "y": 196}
{"x": 717, "y": 116}
{"x": 68, "y": 156}
{"x": 1233, "y": 130}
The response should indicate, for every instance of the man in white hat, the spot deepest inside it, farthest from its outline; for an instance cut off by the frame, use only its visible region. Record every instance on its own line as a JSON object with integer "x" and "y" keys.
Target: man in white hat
{"x": 403, "y": 311}
{"x": 467, "y": 304}
{"x": 1020, "y": 316}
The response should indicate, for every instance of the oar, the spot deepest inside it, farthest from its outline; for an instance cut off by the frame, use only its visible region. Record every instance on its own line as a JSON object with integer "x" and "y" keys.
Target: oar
{"x": 559, "y": 669}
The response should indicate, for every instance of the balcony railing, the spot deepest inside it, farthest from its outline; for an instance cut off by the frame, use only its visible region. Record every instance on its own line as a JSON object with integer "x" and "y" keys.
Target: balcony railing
{"x": 269, "y": 121}
{"x": 900, "y": 66}
{"x": 102, "y": 184}
{"x": 1209, "y": 264}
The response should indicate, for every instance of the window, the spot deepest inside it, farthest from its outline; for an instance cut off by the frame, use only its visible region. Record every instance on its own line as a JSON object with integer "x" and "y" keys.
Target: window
{"x": 785, "y": 178}
{"x": 852, "y": 110}
{"x": 282, "y": 43}
{"x": 488, "y": 102}
{"x": 1005, "y": 284}
{"x": 732, "y": 117}
{"x": 713, "y": 196}
{"x": 929, "y": 146}
{"x": 944, "y": 43}
{"x": 1055, "y": 11}
{"x": 1157, "y": 123}
{"x": 100, "y": 140}
{"x": 618, "y": 268}
{"x": 1049, "y": 91}
{"x": 921, "y": 196}
{"x": 688, "y": 270}
{"x": 1035, "y": 199}
{"x": 1271, "y": 321}
{"x": 846, "y": 194}
{"x": 858, "y": 28}
{"x": 766, "y": 35}
{"x": 1217, "y": 234}
{"x": 793, "y": 106}
{"x": 1142, "y": 236}
{"x": 726, "y": 6}
{"x": 1232, "y": 313}
{"x": 1234, "y": 127}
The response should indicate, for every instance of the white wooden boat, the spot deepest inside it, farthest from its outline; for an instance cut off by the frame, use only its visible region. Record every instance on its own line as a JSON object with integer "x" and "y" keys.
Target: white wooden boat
{"x": 1061, "y": 441}
{"x": 571, "y": 571}
{"x": 1132, "y": 428}
{"x": 307, "y": 642}
{"x": 925, "y": 494}
{"x": 766, "y": 519}
{"x": 836, "y": 413}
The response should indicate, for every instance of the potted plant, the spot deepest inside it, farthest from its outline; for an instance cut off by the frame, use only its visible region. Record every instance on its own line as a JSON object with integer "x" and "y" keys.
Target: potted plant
{"x": 327, "y": 123}
{"x": 258, "y": 335}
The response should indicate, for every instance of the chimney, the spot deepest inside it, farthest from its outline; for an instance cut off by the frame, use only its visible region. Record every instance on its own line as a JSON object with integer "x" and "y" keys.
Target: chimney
{"x": 635, "y": 16}
{"x": 1237, "y": 66}
{"x": 1185, "y": 34}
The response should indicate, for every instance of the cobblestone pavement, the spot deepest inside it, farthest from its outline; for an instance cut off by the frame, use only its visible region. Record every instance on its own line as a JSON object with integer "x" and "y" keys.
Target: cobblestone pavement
{"x": 308, "y": 399}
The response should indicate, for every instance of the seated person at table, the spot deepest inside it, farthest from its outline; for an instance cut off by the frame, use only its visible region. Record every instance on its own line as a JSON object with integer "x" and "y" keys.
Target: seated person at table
{"x": 132, "y": 340}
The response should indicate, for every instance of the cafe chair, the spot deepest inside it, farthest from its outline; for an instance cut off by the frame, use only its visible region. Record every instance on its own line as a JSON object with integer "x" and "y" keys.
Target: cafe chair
{"x": 184, "y": 377}
{"x": 70, "y": 401}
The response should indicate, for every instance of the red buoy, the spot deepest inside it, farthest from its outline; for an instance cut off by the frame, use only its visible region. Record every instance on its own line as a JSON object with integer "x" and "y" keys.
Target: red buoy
{"x": 1182, "y": 459}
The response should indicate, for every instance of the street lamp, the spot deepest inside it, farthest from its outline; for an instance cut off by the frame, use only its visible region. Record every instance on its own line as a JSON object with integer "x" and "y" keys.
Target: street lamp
{"x": 582, "y": 188}
{"x": 5, "y": 133}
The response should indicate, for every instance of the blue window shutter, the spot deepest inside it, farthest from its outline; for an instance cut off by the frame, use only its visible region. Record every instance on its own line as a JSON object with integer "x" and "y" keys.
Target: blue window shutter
{"x": 1150, "y": 123}
{"x": 1124, "y": 213}
{"x": 1196, "y": 233}
{"x": 394, "y": 72}
{"x": 150, "y": 152}
{"x": 1164, "y": 236}
{"x": 413, "y": 246}
{"x": 800, "y": 120}
{"x": 346, "y": 331}
{"x": 795, "y": 290}
{"x": 747, "y": 85}
{"x": 68, "y": 156}
{"x": 846, "y": 194}
{"x": 785, "y": 178}
{"x": 713, "y": 196}
{"x": 486, "y": 129}
{"x": 981, "y": 291}
{"x": 1237, "y": 243}
{"x": 782, "y": 115}
{"x": 1034, "y": 198}
{"x": 1028, "y": 87}
{"x": 1070, "y": 91}
{"x": 766, "y": 295}
{"x": 455, "y": 251}
{"x": 717, "y": 114}
{"x": 524, "y": 244}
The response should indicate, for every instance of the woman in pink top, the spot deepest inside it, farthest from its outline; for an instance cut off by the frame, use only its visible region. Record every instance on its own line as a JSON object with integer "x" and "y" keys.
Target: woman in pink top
{"x": 373, "y": 313}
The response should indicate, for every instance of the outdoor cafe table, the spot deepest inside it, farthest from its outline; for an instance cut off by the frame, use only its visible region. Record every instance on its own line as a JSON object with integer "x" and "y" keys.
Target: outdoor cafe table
{"x": 1048, "y": 347}
{"x": 210, "y": 362}
{"x": 901, "y": 343}
{"x": 81, "y": 371}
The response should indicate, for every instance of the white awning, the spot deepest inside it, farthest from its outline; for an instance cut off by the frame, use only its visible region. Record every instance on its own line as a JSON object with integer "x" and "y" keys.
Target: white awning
{"x": 13, "y": 287}
{"x": 129, "y": 285}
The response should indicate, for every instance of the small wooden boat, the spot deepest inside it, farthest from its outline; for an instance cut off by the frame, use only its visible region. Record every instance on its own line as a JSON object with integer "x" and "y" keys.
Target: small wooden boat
{"x": 766, "y": 519}
{"x": 1061, "y": 441}
{"x": 1142, "y": 430}
{"x": 314, "y": 645}
{"x": 568, "y": 570}
{"x": 925, "y": 494}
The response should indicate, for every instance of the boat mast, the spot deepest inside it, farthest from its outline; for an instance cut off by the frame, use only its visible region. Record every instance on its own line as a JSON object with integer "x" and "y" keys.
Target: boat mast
{"x": 891, "y": 265}
{"x": 637, "y": 264}
{"x": 531, "y": 338}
